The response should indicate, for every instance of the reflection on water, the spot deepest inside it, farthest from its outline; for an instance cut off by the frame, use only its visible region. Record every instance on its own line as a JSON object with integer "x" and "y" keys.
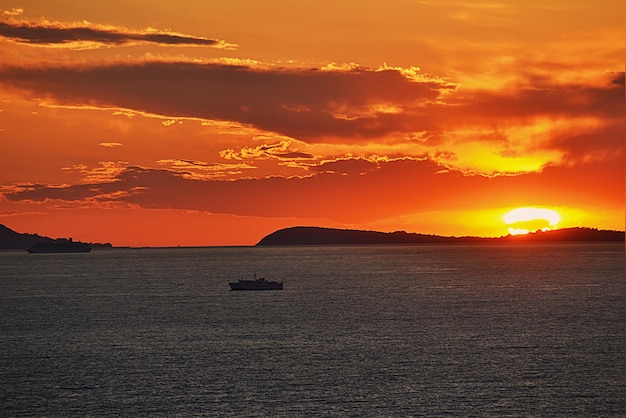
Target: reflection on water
{"x": 396, "y": 330}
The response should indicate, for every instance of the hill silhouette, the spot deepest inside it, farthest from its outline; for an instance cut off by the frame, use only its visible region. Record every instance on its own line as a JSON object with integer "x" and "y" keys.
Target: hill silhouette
{"x": 11, "y": 240}
{"x": 308, "y": 235}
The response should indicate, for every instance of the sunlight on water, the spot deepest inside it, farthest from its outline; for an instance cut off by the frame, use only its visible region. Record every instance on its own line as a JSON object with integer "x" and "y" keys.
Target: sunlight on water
{"x": 391, "y": 331}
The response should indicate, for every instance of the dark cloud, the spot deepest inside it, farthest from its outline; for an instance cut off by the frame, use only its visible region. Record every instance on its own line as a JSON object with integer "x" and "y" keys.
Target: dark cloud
{"x": 541, "y": 97}
{"x": 46, "y": 35}
{"x": 279, "y": 150}
{"x": 602, "y": 143}
{"x": 618, "y": 80}
{"x": 294, "y": 155}
{"x": 303, "y": 103}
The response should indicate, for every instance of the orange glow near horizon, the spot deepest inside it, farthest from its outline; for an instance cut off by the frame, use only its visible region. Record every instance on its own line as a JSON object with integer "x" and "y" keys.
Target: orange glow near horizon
{"x": 215, "y": 123}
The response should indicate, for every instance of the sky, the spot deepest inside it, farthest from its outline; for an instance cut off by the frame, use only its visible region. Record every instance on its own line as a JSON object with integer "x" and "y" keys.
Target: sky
{"x": 159, "y": 123}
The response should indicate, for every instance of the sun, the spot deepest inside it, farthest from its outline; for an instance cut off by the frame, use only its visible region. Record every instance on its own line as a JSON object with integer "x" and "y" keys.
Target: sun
{"x": 529, "y": 219}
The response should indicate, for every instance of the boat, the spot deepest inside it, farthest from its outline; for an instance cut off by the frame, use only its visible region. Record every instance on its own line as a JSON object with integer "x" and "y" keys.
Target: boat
{"x": 59, "y": 246}
{"x": 256, "y": 284}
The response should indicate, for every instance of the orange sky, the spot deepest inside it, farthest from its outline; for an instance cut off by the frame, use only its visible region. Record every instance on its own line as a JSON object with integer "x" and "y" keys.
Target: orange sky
{"x": 151, "y": 123}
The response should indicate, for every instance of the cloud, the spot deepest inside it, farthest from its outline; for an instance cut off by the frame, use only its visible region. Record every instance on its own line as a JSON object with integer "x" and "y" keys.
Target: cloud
{"x": 306, "y": 104}
{"x": 345, "y": 166}
{"x": 541, "y": 96}
{"x": 326, "y": 195}
{"x": 85, "y": 34}
{"x": 201, "y": 170}
{"x": 171, "y": 122}
{"x": 281, "y": 150}
{"x": 15, "y": 11}
{"x": 385, "y": 188}
{"x": 103, "y": 173}
{"x": 618, "y": 79}
{"x": 354, "y": 106}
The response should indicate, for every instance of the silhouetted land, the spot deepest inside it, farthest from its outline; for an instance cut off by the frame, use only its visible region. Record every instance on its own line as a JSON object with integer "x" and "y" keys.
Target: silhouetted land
{"x": 11, "y": 240}
{"x": 309, "y": 235}
{"x": 306, "y": 235}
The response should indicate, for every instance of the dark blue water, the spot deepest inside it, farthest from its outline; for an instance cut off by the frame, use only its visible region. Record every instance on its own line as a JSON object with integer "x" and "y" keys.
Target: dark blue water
{"x": 461, "y": 330}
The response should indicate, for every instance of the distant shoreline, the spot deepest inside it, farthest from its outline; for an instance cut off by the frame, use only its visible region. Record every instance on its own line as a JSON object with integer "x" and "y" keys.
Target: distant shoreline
{"x": 312, "y": 235}
{"x": 307, "y": 235}
{"x": 11, "y": 240}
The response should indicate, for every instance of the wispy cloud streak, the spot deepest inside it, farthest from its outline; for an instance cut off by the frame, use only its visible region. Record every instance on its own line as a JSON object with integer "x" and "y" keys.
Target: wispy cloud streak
{"x": 59, "y": 34}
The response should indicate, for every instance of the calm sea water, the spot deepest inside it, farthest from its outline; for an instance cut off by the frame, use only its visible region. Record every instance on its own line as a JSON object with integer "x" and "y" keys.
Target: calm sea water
{"x": 460, "y": 330}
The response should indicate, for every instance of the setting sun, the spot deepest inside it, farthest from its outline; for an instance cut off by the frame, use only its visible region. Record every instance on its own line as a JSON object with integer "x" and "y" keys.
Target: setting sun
{"x": 529, "y": 219}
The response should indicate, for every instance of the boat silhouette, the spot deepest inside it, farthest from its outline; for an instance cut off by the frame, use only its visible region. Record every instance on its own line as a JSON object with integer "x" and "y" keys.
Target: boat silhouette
{"x": 59, "y": 246}
{"x": 255, "y": 284}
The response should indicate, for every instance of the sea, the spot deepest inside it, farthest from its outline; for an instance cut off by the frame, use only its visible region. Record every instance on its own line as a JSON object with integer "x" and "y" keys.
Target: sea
{"x": 383, "y": 331}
